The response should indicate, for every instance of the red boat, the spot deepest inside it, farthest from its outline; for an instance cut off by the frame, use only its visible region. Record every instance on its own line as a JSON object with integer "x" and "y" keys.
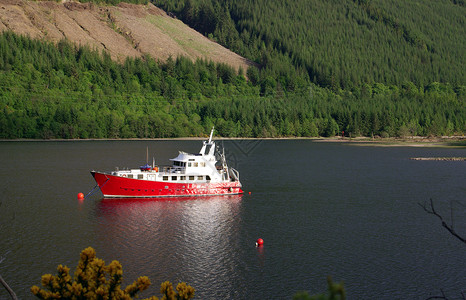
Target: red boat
{"x": 189, "y": 175}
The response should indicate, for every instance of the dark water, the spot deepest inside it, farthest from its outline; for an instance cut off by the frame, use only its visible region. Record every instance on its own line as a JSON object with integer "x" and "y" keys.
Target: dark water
{"x": 322, "y": 209}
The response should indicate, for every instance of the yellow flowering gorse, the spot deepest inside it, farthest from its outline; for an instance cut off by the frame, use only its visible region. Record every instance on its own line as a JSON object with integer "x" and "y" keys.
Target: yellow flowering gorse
{"x": 94, "y": 280}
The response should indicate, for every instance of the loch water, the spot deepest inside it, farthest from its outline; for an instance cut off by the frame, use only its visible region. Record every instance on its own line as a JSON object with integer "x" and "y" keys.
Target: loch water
{"x": 323, "y": 209}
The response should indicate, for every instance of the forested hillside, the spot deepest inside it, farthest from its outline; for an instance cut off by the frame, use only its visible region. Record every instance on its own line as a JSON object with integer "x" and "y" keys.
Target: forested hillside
{"x": 370, "y": 68}
{"x": 65, "y": 91}
{"x": 340, "y": 44}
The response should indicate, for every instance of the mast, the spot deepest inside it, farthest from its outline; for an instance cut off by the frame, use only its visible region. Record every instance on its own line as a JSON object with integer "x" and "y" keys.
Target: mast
{"x": 224, "y": 164}
{"x": 211, "y": 133}
{"x": 208, "y": 147}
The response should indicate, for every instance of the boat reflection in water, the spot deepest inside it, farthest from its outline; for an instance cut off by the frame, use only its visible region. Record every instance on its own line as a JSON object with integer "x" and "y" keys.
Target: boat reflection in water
{"x": 178, "y": 239}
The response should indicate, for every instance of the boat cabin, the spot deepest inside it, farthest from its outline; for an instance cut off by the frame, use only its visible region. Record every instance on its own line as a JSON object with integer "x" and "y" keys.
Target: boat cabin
{"x": 187, "y": 168}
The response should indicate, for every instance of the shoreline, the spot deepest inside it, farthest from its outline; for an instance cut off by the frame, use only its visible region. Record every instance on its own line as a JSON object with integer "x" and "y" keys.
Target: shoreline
{"x": 414, "y": 141}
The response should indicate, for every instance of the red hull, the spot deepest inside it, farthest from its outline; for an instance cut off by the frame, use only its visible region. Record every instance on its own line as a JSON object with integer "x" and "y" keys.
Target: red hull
{"x": 122, "y": 187}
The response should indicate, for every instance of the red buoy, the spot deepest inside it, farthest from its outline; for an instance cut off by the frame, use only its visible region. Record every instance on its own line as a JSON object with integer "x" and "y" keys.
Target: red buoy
{"x": 80, "y": 196}
{"x": 259, "y": 242}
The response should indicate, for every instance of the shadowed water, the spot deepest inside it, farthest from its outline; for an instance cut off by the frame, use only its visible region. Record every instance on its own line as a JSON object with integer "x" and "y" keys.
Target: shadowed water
{"x": 321, "y": 208}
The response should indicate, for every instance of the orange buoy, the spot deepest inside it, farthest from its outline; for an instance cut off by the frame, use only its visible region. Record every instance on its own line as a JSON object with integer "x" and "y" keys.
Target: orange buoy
{"x": 259, "y": 242}
{"x": 80, "y": 196}
{"x": 249, "y": 193}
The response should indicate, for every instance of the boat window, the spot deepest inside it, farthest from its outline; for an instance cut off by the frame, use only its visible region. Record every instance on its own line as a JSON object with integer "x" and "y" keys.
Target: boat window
{"x": 191, "y": 159}
{"x": 174, "y": 178}
{"x": 207, "y": 177}
{"x": 189, "y": 164}
{"x": 179, "y": 164}
{"x": 200, "y": 177}
{"x": 165, "y": 178}
{"x": 130, "y": 176}
{"x": 196, "y": 165}
{"x": 202, "y": 164}
{"x": 191, "y": 177}
{"x": 140, "y": 176}
{"x": 182, "y": 177}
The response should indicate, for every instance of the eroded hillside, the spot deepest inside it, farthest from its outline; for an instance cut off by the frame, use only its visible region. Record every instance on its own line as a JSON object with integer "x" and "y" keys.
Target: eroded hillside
{"x": 123, "y": 30}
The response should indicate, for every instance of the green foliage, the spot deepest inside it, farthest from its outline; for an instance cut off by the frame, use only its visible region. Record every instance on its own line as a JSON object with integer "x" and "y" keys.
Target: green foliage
{"x": 95, "y": 280}
{"x": 336, "y": 291}
{"x": 338, "y": 44}
{"x": 64, "y": 91}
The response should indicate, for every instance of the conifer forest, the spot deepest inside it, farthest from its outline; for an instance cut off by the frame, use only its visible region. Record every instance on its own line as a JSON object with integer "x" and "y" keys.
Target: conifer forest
{"x": 321, "y": 68}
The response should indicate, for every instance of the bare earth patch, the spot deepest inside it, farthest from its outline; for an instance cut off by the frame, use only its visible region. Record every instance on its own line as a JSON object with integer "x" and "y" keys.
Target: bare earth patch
{"x": 123, "y": 30}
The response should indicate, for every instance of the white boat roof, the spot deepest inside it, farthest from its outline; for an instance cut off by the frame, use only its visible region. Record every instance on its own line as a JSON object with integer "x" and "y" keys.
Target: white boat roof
{"x": 207, "y": 152}
{"x": 183, "y": 156}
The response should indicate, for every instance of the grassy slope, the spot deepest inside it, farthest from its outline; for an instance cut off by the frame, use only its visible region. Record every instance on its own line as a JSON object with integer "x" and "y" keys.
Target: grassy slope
{"x": 123, "y": 30}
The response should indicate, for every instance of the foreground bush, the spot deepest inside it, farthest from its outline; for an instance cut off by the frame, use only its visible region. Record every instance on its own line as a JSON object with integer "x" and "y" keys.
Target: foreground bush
{"x": 336, "y": 291}
{"x": 95, "y": 280}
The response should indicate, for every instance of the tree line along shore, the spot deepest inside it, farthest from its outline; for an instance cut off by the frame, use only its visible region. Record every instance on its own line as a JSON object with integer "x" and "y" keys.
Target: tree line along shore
{"x": 63, "y": 91}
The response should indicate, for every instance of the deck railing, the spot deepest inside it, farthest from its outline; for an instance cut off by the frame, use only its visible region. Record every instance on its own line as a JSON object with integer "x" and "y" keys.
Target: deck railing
{"x": 172, "y": 170}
